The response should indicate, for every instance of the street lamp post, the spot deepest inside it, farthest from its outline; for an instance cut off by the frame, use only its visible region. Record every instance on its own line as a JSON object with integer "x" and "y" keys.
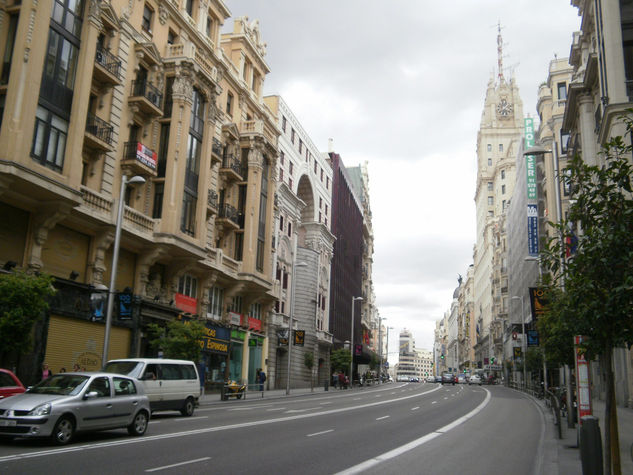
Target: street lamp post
{"x": 380, "y": 319}
{"x": 135, "y": 180}
{"x": 351, "y": 345}
{"x": 523, "y": 336}
{"x": 291, "y": 317}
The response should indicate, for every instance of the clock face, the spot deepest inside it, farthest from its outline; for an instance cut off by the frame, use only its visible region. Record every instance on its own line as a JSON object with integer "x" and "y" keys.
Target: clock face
{"x": 504, "y": 108}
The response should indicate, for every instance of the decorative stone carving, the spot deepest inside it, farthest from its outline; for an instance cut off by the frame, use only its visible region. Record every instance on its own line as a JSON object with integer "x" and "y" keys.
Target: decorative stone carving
{"x": 163, "y": 14}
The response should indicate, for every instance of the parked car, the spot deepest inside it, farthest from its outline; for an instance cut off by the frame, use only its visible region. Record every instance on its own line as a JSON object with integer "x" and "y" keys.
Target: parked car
{"x": 414, "y": 380}
{"x": 448, "y": 378}
{"x": 170, "y": 385}
{"x": 430, "y": 379}
{"x": 67, "y": 403}
{"x": 474, "y": 379}
{"x": 438, "y": 378}
{"x": 461, "y": 379}
{"x": 10, "y": 385}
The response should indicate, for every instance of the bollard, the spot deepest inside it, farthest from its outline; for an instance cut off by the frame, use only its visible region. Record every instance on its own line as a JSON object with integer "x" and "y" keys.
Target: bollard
{"x": 326, "y": 386}
{"x": 590, "y": 446}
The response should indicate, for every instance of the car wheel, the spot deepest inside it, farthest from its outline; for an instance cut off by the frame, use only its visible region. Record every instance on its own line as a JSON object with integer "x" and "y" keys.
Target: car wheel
{"x": 139, "y": 424}
{"x": 63, "y": 431}
{"x": 187, "y": 409}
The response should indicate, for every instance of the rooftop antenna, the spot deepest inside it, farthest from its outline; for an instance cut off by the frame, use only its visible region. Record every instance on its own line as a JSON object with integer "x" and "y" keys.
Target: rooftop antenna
{"x": 500, "y": 53}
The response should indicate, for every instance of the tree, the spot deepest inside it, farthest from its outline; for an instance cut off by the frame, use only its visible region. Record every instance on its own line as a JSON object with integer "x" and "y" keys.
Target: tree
{"x": 340, "y": 359}
{"x": 591, "y": 293}
{"x": 179, "y": 340}
{"x": 308, "y": 362}
{"x": 23, "y": 299}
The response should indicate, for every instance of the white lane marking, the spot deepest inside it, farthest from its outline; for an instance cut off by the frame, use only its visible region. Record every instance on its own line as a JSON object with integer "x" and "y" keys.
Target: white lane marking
{"x": 164, "y": 467}
{"x": 445, "y": 398}
{"x": 381, "y": 418}
{"x": 320, "y": 433}
{"x": 378, "y": 395}
{"x": 154, "y": 422}
{"x": 361, "y": 467}
{"x": 415, "y": 408}
{"x": 324, "y": 403}
{"x": 179, "y": 419}
{"x": 276, "y": 409}
{"x": 356, "y": 399}
{"x": 434, "y": 402}
{"x": 393, "y": 392}
{"x": 206, "y": 430}
{"x": 250, "y": 408}
{"x": 294, "y": 411}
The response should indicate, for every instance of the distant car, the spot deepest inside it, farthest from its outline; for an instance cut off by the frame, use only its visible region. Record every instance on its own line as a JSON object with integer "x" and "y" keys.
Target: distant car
{"x": 430, "y": 379}
{"x": 414, "y": 380}
{"x": 448, "y": 378}
{"x": 474, "y": 379}
{"x": 67, "y": 403}
{"x": 461, "y": 379}
{"x": 438, "y": 378}
{"x": 10, "y": 385}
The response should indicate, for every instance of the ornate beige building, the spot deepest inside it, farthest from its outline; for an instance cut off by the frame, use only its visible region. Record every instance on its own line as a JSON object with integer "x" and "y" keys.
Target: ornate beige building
{"x": 94, "y": 91}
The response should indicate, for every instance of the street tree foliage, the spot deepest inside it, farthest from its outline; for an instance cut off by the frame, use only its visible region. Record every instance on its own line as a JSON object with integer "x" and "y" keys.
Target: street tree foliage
{"x": 178, "y": 340}
{"x": 591, "y": 294}
{"x": 308, "y": 360}
{"x": 340, "y": 359}
{"x": 23, "y": 299}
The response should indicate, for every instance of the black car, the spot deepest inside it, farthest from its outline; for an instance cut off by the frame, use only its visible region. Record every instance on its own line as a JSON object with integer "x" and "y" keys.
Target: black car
{"x": 448, "y": 378}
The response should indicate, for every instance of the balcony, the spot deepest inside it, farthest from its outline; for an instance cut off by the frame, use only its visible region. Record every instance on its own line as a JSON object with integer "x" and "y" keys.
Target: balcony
{"x": 107, "y": 69}
{"x": 147, "y": 98}
{"x": 98, "y": 134}
{"x": 229, "y": 217}
{"x": 212, "y": 202}
{"x": 231, "y": 168}
{"x": 139, "y": 159}
{"x": 216, "y": 151}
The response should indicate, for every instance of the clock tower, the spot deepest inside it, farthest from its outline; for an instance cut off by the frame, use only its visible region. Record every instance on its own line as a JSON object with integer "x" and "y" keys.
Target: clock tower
{"x": 498, "y": 143}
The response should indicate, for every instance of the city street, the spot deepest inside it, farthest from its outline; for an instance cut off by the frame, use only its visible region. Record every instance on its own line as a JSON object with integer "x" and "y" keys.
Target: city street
{"x": 392, "y": 428}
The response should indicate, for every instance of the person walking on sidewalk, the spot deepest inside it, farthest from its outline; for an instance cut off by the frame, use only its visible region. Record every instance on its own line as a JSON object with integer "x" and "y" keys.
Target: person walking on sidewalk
{"x": 262, "y": 379}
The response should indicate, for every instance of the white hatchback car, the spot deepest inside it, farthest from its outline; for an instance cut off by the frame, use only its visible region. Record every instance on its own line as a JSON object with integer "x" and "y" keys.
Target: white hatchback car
{"x": 66, "y": 403}
{"x": 474, "y": 379}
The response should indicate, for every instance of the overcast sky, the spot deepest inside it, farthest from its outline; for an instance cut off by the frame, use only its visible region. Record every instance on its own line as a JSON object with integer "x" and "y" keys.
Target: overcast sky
{"x": 401, "y": 84}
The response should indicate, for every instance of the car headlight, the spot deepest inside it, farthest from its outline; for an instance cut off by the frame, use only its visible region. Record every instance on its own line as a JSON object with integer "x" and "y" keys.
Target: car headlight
{"x": 41, "y": 410}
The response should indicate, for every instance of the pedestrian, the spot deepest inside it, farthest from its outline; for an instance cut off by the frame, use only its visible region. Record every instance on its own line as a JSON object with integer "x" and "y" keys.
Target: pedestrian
{"x": 262, "y": 379}
{"x": 341, "y": 380}
{"x": 46, "y": 373}
{"x": 334, "y": 378}
{"x": 63, "y": 370}
{"x": 76, "y": 367}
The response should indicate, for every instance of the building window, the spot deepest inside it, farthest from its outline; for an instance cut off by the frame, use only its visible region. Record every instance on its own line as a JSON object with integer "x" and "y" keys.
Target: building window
{"x": 315, "y": 166}
{"x": 236, "y": 304}
{"x": 282, "y": 157}
{"x": 255, "y": 311}
{"x": 281, "y": 223}
{"x": 146, "y": 22}
{"x": 564, "y": 140}
{"x": 49, "y": 139}
{"x": 503, "y": 189}
{"x": 562, "y": 91}
{"x": 489, "y": 186}
{"x": 159, "y": 190}
{"x": 209, "y": 27}
{"x": 229, "y": 103}
{"x": 281, "y": 174}
{"x": 289, "y": 228}
{"x": 8, "y": 51}
{"x": 490, "y": 162}
{"x": 300, "y": 146}
{"x": 290, "y": 183}
{"x": 290, "y": 167}
{"x": 327, "y": 183}
{"x": 188, "y": 221}
{"x": 321, "y": 174}
{"x": 503, "y": 205}
{"x": 490, "y": 147}
{"x": 501, "y": 147}
{"x": 503, "y": 174}
{"x": 187, "y": 285}
{"x": 283, "y": 124}
{"x": 292, "y": 136}
{"x": 189, "y": 7}
{"x": 216, "y": 301}
{"x": 261, "y": 229}
{"x": 491, "y": 200}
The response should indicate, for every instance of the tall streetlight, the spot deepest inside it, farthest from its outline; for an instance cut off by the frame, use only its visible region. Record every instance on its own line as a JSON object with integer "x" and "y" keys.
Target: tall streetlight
{"x": 523, "y": 337}
{"x": 135, "y": 180}
{"x": 351, "y": 345}
{"x": 291, "y": 316}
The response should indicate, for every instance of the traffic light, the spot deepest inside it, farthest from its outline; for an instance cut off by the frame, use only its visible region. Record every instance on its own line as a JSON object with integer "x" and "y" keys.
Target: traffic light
{"x": 492, "y": 360}
{"x": 431, "y": 364}
{"x": 442, "y": 356}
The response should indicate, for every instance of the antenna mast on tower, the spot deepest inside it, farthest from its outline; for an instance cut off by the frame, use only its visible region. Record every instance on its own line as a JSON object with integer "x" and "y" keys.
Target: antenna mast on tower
{"x": 500, "y": 53}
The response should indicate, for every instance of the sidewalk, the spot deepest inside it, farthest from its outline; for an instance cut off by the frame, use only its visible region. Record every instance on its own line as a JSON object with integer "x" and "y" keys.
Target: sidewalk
{"x": 562, "y": 456}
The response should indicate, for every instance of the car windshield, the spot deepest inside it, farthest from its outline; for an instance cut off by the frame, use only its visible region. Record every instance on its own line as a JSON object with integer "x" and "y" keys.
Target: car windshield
{"x": 62, "y": 384}
{"x": 128, "y": 368}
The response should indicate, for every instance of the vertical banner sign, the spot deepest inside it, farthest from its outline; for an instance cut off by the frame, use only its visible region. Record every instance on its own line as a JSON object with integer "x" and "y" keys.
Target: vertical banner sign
{"x": 530, "y": 160}
{"x": 532, "y": 227}
{"x": 584, "y": 388}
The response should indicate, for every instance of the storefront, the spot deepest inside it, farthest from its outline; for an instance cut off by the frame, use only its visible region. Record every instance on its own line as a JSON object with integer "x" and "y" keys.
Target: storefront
{"x": 237, "y": 354}
{"x": 73, "y": 341}
{"x": 215, "y": 352}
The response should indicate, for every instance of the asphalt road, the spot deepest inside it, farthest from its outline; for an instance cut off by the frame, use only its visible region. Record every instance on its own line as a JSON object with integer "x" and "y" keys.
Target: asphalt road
{"x": 393, "y": 428}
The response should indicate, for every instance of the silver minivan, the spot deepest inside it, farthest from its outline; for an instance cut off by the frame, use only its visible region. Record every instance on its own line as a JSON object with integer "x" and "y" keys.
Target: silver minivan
{"x": 170, "y": 385}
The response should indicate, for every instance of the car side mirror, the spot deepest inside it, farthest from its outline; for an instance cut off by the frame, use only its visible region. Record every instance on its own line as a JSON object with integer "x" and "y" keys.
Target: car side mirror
{"x": 91, "y": 395}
